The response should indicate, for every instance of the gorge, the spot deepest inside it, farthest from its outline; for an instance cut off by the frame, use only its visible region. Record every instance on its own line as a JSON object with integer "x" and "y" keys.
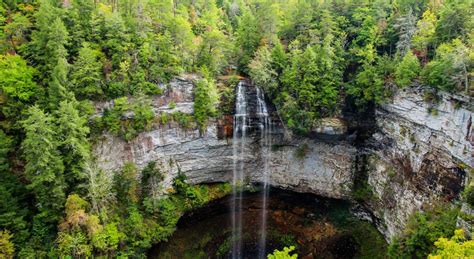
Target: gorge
{"x": 236, "y": 129}
{"x": 408, "y": 166}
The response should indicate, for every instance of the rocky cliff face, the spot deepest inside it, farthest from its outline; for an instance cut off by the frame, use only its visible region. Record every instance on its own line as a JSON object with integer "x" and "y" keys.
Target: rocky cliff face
{"x": 419, "y": 155}
{"x": 302, "y": 165}
{"x": 415, "y": 159}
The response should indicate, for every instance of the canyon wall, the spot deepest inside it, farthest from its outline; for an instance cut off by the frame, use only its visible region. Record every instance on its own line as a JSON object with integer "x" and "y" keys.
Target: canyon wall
{"x": 302, "y": 165}
{"x": 417, "y": 156}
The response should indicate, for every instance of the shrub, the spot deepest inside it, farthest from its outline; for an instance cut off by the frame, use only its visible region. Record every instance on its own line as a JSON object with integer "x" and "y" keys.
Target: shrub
{"x": 164, "y": 118}
{"x": 168, "y": 212}
{"x": 206, "y": 98}
{"x": 302, "y": 151}
{"x": 126, "y": 185}
{"x": 284, "y": 254}
{"x": 448, "y": 71}
{"x": 469, "y": 195}
{"x": 423, "y": 229}
{"x": 456, "y": 247}
{"x": 172, "y": 105}
{"x": 407, "y": 70}
{"x": 125, "y": 119}
{"x": 183, "y": 119}
{"x": 6, "y": 246}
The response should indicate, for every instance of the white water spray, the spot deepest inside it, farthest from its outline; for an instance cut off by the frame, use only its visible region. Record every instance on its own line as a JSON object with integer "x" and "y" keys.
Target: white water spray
{"x": 265, "y": 152}
{"x": 238, "y": 143}
{"x": 242, "y": 122}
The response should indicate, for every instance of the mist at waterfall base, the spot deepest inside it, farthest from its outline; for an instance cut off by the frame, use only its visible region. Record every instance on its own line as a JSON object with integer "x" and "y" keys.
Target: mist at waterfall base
{"x": 318, "y": 227}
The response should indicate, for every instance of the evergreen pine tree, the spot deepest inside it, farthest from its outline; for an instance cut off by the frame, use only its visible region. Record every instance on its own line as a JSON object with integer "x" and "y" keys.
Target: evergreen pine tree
{"x": 73, "y": 143}
{"x": 86, "y": 74}
{"x": 44, "y": 166}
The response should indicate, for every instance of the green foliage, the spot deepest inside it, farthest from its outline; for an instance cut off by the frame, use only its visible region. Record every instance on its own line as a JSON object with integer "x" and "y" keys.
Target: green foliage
{"x": 6, "y": 145}
{"x": 86, "y": 74}
{"x": 44, "y": 166}
{"x": 278, "y": 57}
{"x": 424, "y": 35}
{"x": 126, "y": 185}
{"x": 56, "y": 62}
{"x": 368, "y": 86}
{"x": 74, "y": 146}
{"x": 286, "y": 253}
{"x": 406, "y": 27}
{"x": 469, "y": 195}
{"x": 288, "y": 240}
{"x": 76, "y": 227}
{"x": 407, "y": 70}
{"x": 108, "y": 238}
{"x": 456, "y": 247}
{"x": 80, "y": 15}
{"x": 310, "y": 57}
{"x": 225, "y": 247}
{"x": 15, "y": 25}
{"x": 302, "y": 151}
{"x": 58, "y": 86}
{"x": 47, "y": 41}
{"x": 17, "y": 89}
{"x": 127, "y": 119}
{"x": 227, "y": 94}
{"x": 449, "y": 69}
{"x": 168, "y": 211}
{"x": 361, "y": 190}
{"x": 213, "y": 50}
{"x": 455, "y": 21}
{"x": 13, "y": 207}
{"x": 143, "y": 113}
{"x": 137, "y": 227}
{"x": 206, "y": 98}
{"x": 7, "y": 249}
{"x": 16, "y": 78}
{"x": 151, "y": 175}
{"x": 99, "y": 189}
{"x": 262, "y": 72}
{"x": 423, "y": 229}
{"x": 248, "y": 38}
{"x": 311, "y": 86}
{"x": 44, "y": 170}
{"x": 172, "y": 105}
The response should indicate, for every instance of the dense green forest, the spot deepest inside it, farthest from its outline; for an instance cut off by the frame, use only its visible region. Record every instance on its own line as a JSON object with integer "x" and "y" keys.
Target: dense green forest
{"x": 312, "y": 57}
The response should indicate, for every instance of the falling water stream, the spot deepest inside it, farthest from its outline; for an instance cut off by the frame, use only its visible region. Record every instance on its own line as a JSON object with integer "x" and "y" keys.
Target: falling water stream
{"x": 265, "y": 144}
{"x": 242, "y": 122}
{"x": 239, "y": 135}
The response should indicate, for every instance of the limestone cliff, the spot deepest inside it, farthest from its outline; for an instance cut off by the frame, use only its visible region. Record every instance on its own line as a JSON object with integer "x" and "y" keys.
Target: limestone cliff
{"x": 207, "y": 157}
{"x": 416, "y": 157}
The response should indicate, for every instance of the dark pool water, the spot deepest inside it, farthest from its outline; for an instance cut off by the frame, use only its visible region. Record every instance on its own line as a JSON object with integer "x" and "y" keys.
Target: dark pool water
{"x": 317, "y": 227}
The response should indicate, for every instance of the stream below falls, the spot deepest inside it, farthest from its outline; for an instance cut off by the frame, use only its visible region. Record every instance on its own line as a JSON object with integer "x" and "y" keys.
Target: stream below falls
{"x": 318, "y": 227}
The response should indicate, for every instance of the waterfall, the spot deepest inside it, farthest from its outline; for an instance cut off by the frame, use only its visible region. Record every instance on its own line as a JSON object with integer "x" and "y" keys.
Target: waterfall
{"x": 242, "y": 123}
{"x": 240, "y": 127}
{"x": 265, "y": 150}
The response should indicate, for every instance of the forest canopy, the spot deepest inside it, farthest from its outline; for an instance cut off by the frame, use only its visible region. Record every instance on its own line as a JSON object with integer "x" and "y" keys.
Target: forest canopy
{"x": 312, "y": 58}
